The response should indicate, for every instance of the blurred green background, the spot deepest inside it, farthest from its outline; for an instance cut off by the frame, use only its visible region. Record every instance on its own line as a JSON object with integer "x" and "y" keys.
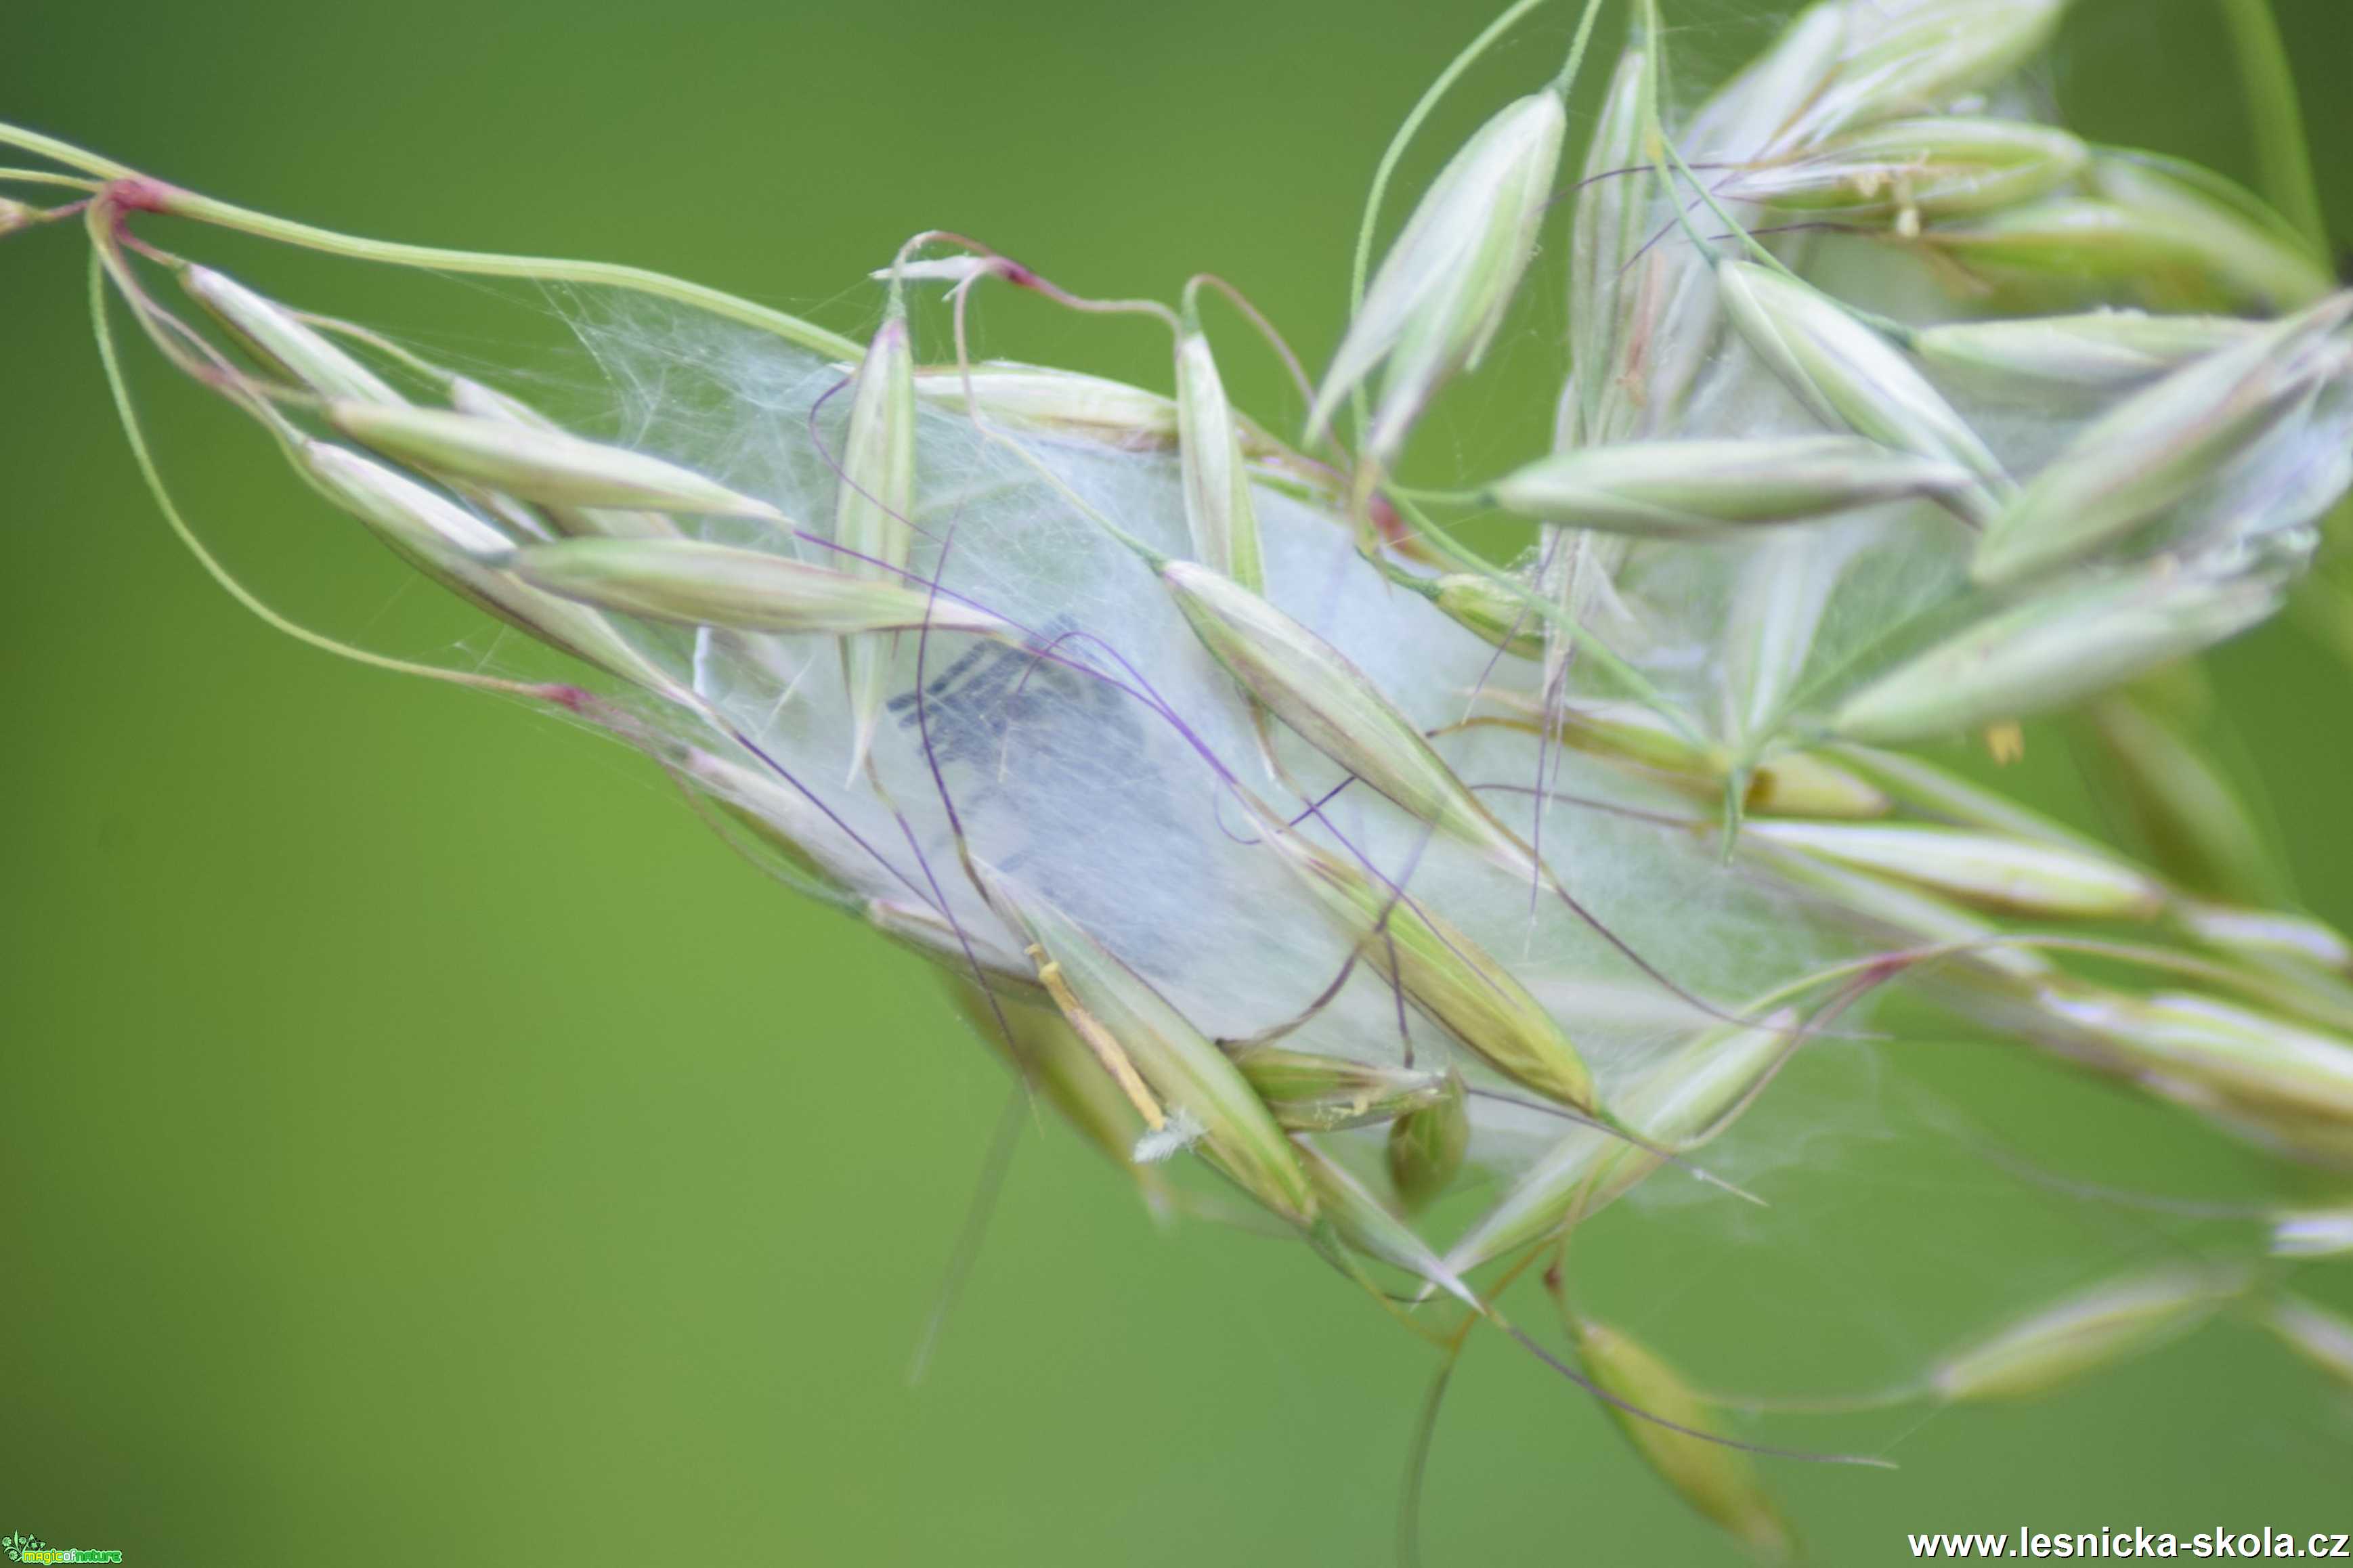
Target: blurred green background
{"x": 422, "y": 1141}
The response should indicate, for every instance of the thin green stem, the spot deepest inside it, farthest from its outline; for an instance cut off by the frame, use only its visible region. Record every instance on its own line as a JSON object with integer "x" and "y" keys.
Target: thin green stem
{"x": 2282, "y": 153}
{"x": 160, "y": 197}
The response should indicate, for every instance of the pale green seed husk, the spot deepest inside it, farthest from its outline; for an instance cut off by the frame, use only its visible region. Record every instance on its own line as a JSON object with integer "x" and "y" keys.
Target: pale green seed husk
{"x": 1850, "y": 376}
{"x": 279, "y": 338}
{"x": 1308, "y": 1092}
{"x": 1443, "y": 973}
{"x": 1799, "y": 784}
{"x": 2262, "y": 1062}
{"x": 2313, "y": 1233}
{"x": 1915, "y": 169}
{"x": 451, "y": 545}
{"x": 1681, "y": 1103}
{"x": 1703, "y": 489}
{"x": 2196, "y": 827}
{"x": 1718, "y": 1483}
{"x": 692, "y": 583}
{"x": 873, "y": 504}
{"x": 2321, "y": 1337}
{"x": 1983, "y": 868}
{"x": 538, "y": 465}
{"x": 2158, "y": 446}
{"x": 2085, "y": 1334}
{"x": 2051, "y": 650}
{"x": 2096, "y": 354}
{"x": 1441, "y": 292}
{"x": 1217, "y": 509}
{"x": 1183, "y": 1069}
{"x": 1426, "y": 1147}
{"x": 1372, "y": 1227}
{"x": 1314, "y": 689}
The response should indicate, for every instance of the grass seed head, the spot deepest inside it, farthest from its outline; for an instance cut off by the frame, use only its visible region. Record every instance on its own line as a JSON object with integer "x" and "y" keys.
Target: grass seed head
{"x": 2085, "y": 1334}
{"x": 1697, "y": 489}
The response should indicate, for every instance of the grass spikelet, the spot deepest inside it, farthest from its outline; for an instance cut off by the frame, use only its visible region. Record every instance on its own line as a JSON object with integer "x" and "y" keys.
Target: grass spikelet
{"x": 2321, "y": 1337}
{"x": 2158, "y": 446}
{"x": 1719, "y": 1483}
{"x": 1308, "y": 1092}
{"x": 1698, "y": 489}
{"x": 1606, "y": 237}
{"x": 1048, "y": 1055}
{"x": 1446, "y": 975}
{"x": 874, "y": 502}
{"x": 279, "y": 338}
{"x": 1367, "y": 1224}
{"x": 1491, "y": 610}
{"x": 1908, "y": 170}
{"x": 2084, "y": 1334}
{"x": 690, "y": 582}
{"x": 2096, "y": 354}
{"x": 1426, "y": 1146}
{"x": 2313, "y": 1233}
{"x": 1218, "y": 507}
{"x": 2250, "y": 1057}
{"x": 1993, "y": 872}
{"x": 537, "y": 465}
{"x": 1679, "y": 1104}
{"x": 2149, "y": 232}
{"x": 1800, "y": 783}
{"x": 1902, "y": 59}
{"x": 1314, "y": 689}
{"x": 1124, "y": 1020}
{"x": 2056, "y": 647}
{"x": 2197, "y": 829}
{"x": 456, "y": 549}
{"x": 1441, "y": 292}
{"x": 1850, "y": 376}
